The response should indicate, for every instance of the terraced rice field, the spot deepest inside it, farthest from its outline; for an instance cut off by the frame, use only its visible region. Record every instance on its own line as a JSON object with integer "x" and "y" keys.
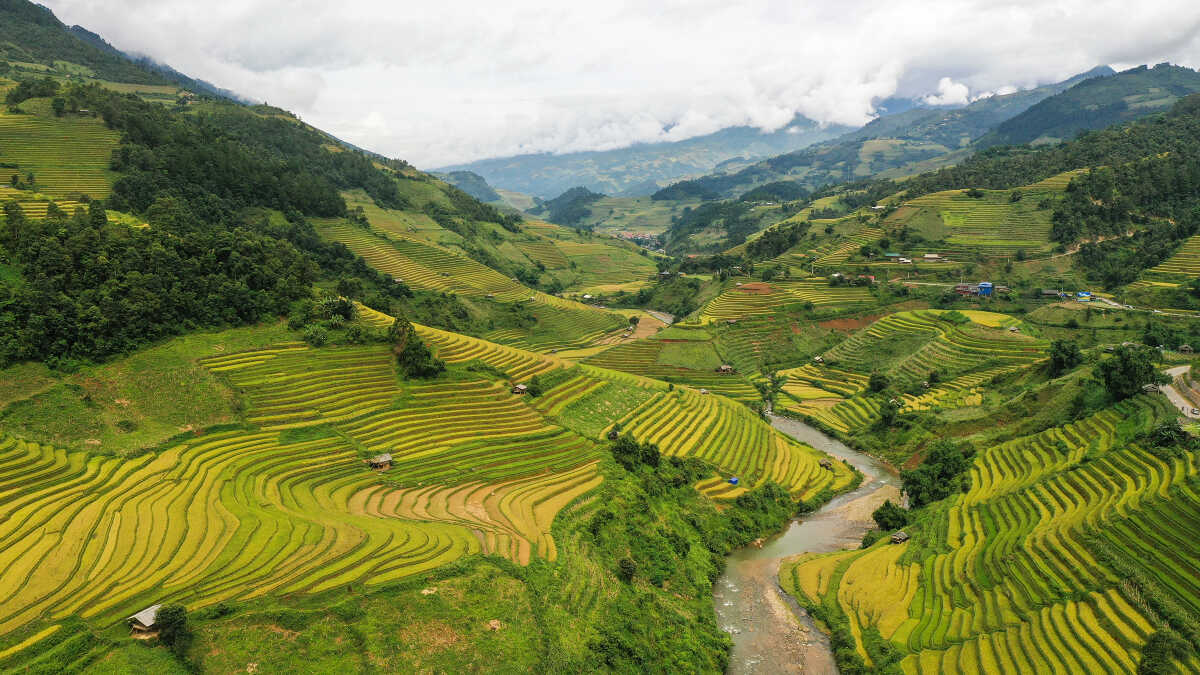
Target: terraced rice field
{"x": 716, "y": 429}
{"x": 753, "y": 299}
{"x": 1017, "y": 574}
{"x": 838, "y": 253}
{"x": 1181, "y": 267}
{"x": 561, "y": 323}
{"x": 929, "y": 343}
{"x": 288, "y": 505}
{"x": 909, "y": 346}
{"x": 992, "y": 225}
{"x": 67, "y": 155}
{"x": 600, "y": 264}
{"x": 643, "y": 358}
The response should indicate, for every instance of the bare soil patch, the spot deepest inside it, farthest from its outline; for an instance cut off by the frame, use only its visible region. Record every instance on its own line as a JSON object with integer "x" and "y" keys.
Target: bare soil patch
{"x": 756, "y": 287}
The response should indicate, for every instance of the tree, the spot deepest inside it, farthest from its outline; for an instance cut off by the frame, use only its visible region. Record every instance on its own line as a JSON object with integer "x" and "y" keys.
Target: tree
{"x": 58, "y": 105}
{"x": 634, "y": 320}
{"x": 1128, "y": 370}
{"x": 1064, "y": 355}
{"x": 97, "y": 216}
{"x": 412, "y": 356}
{"x": 890, "y": 516}
{"x": 938, "y": 476}
{"x": 631, "y": 454}
{"x": 173, "y": 629}
{"x": 350, "y": 288}
{"x": 878, "y": 382}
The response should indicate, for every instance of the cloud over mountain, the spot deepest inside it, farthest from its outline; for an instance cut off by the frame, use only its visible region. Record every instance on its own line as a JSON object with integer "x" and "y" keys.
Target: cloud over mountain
{"x": 488, "y": 79}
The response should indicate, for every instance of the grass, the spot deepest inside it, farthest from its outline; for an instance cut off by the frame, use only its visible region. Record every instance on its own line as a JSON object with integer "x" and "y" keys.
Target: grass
{"x": 132, "y": 403}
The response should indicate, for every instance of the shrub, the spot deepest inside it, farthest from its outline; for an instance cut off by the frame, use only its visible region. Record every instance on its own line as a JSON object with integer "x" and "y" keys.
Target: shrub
{"x": 890, "y": 516}
{"x": 316, "y": 336}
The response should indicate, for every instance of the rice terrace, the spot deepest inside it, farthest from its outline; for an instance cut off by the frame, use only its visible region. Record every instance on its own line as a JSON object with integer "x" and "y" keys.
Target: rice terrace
{"x": 754, "y": 362}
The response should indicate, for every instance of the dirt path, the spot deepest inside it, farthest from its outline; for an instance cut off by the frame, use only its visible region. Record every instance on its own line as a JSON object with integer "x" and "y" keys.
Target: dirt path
{"x": 1178, "y": 399}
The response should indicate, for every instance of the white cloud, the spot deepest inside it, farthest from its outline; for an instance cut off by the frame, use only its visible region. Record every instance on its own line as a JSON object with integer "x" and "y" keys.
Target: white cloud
{"x": 950, "y": 93}
{"x": 467, "y": 79}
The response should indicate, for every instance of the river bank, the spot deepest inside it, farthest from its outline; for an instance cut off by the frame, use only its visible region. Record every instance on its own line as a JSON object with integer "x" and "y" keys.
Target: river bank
{"x": 771, "y": 633}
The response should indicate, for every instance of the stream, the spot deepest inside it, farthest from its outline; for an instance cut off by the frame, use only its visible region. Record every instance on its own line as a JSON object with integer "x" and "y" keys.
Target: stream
{"x": 771, "y": 633}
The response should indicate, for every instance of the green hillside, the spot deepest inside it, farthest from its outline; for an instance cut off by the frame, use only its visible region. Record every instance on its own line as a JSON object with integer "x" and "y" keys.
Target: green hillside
{"x": 1098, "y": 103}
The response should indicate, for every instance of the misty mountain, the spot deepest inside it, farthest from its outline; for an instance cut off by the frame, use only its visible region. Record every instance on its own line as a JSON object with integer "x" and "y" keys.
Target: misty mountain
{"x": 642, "y": 169}
{"x": 909, "y": 141}
{"x": 1098, "y": 102}
{"x": 472, "y": 184}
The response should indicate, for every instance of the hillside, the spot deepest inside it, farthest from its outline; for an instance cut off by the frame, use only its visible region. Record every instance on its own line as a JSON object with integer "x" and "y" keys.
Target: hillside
{"x": 642, "y": 169}
{"x": 907, "y": 142}
{"x": 1097, "y": 103}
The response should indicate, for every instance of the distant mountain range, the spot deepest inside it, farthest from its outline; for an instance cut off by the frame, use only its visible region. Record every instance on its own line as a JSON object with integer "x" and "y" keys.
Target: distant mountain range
{"x": 644, "y": 168}
{"x": 909, "y": 141}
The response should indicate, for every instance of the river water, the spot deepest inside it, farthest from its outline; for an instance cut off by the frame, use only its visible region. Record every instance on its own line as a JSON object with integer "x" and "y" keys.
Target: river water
{"x": 771, "y": 633}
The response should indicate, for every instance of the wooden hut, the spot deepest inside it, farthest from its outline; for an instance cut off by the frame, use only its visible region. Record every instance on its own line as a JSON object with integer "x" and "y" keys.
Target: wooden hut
{"x": 725, "y": 369}
{"x": 900, "y": 537}
{"x": 143, "y": 622}
{"x": 520, "y": 389}
{"x": 1185, "y": 349}
{"x": 381, "y": 462}
{"x": 827, "y": 464}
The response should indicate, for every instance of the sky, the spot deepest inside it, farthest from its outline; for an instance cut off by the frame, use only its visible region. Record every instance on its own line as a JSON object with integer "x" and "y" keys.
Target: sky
{"x": 460, "y": 80}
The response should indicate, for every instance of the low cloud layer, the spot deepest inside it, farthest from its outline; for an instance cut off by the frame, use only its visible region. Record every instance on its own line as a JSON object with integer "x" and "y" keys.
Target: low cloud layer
{"x": 444, "y": 83}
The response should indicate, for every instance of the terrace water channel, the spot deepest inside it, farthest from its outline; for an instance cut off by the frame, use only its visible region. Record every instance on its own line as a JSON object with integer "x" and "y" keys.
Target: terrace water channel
{"x": 771, "y": 633}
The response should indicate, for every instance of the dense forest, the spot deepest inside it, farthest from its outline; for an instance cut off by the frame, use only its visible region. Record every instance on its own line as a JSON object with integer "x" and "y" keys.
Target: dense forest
{"x": 91, "y": 289}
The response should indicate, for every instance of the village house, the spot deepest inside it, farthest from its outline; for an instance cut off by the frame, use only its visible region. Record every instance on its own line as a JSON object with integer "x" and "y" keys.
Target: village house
{"x": 725, "y": 369}
{"x": 900, "y": 537}
{"x": 142, "y": 623}
{"x": 520, "y": 389}
{"x": 381, "y": 462}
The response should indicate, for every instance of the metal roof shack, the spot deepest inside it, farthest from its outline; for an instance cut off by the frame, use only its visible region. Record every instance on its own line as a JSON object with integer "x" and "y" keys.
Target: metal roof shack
{"x": 143, "y": 621}
{"x": 381, "y": 462}
{"x": 900, "y": 537}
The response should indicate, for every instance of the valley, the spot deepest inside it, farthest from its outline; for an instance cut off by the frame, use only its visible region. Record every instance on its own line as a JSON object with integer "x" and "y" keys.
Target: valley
{"x": 912, "y": 397}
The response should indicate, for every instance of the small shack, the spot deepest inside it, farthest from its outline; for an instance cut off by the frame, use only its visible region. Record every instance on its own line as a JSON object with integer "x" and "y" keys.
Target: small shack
{"x": 520, "y": 389}
{"x": 613, "y": 434}
{"x": 1185, "y": 349}
{"x": 725, "y": 369}
{"x": 142, "y": 623}
{"x": 381, "y": 462}
{"x": 827, "y": 464}
{"x": 817, "y": 359}
{"x": 703, "y": 391}
{"x": 900, "y": 537}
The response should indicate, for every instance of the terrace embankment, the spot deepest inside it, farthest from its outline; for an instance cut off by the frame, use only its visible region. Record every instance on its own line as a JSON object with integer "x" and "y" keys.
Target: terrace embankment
{"x": 771, "y": 633}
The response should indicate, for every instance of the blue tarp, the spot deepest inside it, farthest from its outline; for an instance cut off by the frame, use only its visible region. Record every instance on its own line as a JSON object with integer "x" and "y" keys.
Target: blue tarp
{"x": 733, "y": 481}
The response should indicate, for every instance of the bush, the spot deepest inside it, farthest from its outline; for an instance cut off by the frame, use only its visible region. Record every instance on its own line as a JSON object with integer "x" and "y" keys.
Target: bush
{"x": 878, "y": 382}
{"x": 316, "y": 336}
{"x": 626, "y": 568}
